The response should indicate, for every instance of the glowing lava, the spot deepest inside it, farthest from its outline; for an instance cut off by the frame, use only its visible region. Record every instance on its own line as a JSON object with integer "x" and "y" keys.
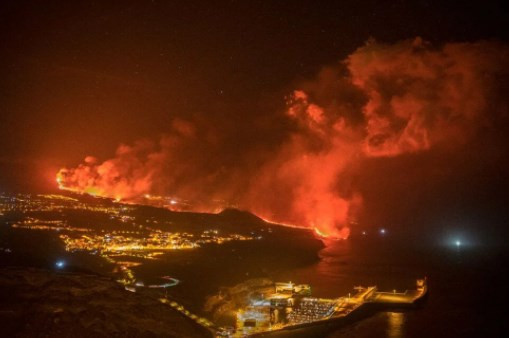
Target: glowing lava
{"x": 320, "y": 233}
{"x": 344, "y": 233}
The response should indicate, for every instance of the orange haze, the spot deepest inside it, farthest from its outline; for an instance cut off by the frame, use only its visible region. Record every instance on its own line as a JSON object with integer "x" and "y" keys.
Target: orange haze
{"x": 382, "y": 101}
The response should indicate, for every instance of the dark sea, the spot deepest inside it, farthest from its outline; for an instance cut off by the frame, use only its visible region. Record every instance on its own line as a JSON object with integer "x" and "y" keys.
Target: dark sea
{"x": 468, "y": 286}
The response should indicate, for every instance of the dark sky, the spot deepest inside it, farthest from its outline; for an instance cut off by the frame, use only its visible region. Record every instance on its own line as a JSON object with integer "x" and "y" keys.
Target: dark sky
{"x": 79, "y": 78}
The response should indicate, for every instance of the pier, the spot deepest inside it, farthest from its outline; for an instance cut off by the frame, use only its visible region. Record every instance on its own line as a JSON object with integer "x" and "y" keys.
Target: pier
{"x": 291, "y": 309}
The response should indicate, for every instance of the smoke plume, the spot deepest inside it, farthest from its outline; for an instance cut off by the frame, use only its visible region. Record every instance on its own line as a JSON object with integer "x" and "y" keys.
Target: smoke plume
{"x": 381, "y": 102}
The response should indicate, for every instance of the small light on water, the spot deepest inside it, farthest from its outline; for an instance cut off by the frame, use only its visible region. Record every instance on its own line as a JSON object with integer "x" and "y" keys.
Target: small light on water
{"x": 60, "y": 264}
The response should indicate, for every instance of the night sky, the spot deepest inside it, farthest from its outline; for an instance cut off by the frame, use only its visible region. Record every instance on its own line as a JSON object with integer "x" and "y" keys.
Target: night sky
{"x": 80, "y": 78}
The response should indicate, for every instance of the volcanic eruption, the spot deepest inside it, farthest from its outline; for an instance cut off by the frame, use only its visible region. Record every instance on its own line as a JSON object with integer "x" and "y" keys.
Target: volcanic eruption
{"x": 383, "y": 101}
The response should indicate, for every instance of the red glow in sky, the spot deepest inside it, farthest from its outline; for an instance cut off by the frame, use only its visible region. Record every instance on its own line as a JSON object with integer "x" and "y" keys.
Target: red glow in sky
{"x": 395, "y": 100}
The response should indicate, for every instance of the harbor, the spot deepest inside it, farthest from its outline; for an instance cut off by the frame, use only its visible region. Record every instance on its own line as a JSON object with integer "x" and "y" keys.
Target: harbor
{"x": 292, "y": 311}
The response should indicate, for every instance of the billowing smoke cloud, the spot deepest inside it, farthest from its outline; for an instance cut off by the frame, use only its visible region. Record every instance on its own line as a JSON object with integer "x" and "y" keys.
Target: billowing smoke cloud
{"x": 301, "y": 183}
{"x": 419, "y": 96}
{"x": 383, "y": 101}
{"x": 182, "y": 163}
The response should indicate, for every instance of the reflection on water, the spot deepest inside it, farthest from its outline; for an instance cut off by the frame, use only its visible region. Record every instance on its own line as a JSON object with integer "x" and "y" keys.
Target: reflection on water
{"x": 332, "y": 260}
{"x": 386, "y": 263}
{"x": 395, "y": 324}
{"x": 345, "y": 264}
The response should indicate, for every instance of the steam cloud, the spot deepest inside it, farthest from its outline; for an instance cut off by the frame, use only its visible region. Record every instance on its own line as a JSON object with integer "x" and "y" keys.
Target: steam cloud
{"x": 383, "y": 101}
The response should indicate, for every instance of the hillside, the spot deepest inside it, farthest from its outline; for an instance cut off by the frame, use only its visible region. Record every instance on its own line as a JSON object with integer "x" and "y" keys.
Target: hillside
{"x": 35, "y": 301}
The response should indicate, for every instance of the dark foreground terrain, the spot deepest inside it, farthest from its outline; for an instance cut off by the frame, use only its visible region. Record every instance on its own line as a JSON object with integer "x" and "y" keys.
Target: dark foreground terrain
{"x": 37, "y": 302}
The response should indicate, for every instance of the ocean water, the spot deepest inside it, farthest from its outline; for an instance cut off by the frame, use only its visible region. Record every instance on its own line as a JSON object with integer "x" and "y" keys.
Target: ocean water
{"x": 468, "y": 286}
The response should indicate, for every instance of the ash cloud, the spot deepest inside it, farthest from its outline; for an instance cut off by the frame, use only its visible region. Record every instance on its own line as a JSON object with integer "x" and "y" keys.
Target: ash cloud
{"x": 335, "y": 141}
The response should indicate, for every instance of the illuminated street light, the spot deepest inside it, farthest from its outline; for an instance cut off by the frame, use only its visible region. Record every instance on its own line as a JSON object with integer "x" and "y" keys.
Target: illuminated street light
{"x": 458, "y": 243}
{"x": 382, "y": 231}
{"x": 60, "y": 264}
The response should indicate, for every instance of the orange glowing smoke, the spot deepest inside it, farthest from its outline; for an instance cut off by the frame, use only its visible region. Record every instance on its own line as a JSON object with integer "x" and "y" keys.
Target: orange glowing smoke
{"x": 419, "y": 96}
{"x": 305, "y": 170}
{"x": 382, "y": 101}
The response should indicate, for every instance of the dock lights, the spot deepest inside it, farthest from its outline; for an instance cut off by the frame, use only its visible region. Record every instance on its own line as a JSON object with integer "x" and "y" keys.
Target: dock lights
{"x": 60, "y": 264}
